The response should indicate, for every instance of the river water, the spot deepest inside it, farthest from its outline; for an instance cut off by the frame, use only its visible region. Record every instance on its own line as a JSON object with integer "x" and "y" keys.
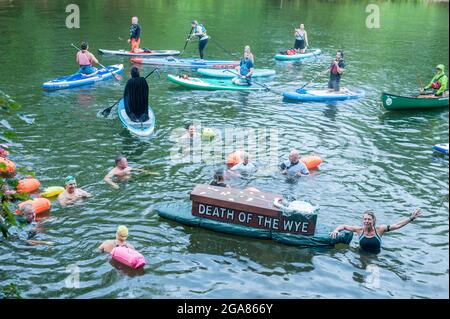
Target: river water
{"x": 373, "y": 159}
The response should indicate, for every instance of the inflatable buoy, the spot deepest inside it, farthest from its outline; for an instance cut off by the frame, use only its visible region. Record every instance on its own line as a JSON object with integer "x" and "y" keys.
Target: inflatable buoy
{"x": 311, "y": 161}
{"x": 208, "y": 133}
{"x": 10, "y": 166}
{"x": 128, "y": 257}
{"x": 40, "y": 205}
{"x": 52, "y": 191}
{"x": 234, "y": 158}
{"x": 28, "y": 185}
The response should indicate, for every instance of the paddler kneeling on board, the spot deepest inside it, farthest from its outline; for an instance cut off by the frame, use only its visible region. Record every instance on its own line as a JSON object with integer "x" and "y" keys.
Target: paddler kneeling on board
{"x": 438, "y": 83}
{"x": 86, "y": 60}
{"x": 72, "y": 193}
{"x": 122, "y": 172}
{"x": 293, "y": 166}
{"x": 245, "y": 70}
{"x": 136, "y": 97}
{"x": 121, "y": 236}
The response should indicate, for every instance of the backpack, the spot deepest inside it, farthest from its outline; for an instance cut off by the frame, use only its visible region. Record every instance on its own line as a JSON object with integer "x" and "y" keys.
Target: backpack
{"x": 291, "y": 52}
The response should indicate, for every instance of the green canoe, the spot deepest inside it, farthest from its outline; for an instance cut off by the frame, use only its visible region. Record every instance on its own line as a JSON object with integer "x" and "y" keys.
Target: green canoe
{"x": 213, "y": 84}
{"x": 393, "y": 102}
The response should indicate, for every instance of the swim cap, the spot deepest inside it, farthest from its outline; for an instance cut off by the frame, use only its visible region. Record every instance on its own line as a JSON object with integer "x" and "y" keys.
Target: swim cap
{"x": 122, "y": 231}
{"x": 440, "y": 67}
{"x": 70, "y": 180}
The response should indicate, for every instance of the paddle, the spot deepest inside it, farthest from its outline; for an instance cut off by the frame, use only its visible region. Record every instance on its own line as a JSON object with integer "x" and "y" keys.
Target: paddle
{"x": 187, "y": 41}
{"x": 116, "y": 76}
{"x": 264, "y": 86}
{"x": 107, "y": 111}
{"x": 301, "y": 90}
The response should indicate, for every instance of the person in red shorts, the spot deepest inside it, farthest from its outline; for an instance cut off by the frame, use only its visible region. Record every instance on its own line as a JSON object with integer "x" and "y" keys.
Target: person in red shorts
{"x": 135, "y": 35}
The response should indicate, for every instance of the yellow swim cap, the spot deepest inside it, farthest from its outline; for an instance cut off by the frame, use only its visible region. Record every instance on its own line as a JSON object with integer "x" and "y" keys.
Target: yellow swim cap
{"x": 122, "y": 231}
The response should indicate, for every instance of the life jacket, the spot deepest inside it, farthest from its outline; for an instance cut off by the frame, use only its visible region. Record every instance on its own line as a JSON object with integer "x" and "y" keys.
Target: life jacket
{"x": 84, "y": 59}
{"x": 203, "y": 28}
{"x": 333, "y": 68}
{"x": 244, "y": 70}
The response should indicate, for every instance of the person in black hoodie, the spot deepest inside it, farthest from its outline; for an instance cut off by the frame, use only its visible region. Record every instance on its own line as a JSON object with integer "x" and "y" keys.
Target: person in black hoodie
{"x": 136, "y": 97}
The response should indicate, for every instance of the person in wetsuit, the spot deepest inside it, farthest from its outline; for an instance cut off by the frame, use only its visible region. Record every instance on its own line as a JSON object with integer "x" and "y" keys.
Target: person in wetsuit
{"x": 136, "y": 97}
{"x": 370, "y": 234}
{"x": 121, "y": 236}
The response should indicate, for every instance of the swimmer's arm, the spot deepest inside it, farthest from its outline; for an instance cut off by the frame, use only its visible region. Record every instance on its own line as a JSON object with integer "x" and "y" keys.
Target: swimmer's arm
{"x": 40, "y": 242}
{"x": 102, "y": 248}
{"x": 85, "y": 194}
{"x": 108, "y": 180}
{"x": 355, "y": 229}
{"x": 140, "y": 170}
{"x": 384, "y": 228}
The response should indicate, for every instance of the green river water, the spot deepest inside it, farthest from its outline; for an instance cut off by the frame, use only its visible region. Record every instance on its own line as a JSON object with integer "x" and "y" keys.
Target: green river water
{"x": 373, "y": 159}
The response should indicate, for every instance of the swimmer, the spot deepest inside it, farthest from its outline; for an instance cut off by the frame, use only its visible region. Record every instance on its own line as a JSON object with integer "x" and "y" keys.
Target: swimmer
{"x": 122, "y": 172}
{"x": 71, "y": 194}
{"x": 121, "y": 237}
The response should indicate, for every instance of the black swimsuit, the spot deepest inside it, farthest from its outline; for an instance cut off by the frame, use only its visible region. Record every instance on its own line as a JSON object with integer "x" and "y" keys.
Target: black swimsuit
{"x": 370, "y": 244}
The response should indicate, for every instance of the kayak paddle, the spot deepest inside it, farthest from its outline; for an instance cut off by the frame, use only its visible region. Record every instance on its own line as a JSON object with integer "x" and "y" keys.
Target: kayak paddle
{"x": 116, "y": 76}
{"x": 107, "y": 111}
{"x": 187, "y": 41}
{"x": 264, "y": 86}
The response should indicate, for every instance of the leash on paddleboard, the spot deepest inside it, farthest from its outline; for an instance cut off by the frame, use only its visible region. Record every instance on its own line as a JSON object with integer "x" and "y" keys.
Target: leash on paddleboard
{"x": 116, "y": 76}
{"x": 107, "y": 111}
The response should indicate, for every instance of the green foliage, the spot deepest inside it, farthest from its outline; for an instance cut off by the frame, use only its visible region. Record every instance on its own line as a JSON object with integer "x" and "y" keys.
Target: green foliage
{"x": 7, "y": 102}
{"x": 9, "y": 292}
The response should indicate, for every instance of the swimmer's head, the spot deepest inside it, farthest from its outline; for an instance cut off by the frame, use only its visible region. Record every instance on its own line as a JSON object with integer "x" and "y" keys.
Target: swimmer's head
{"x": 28, "y": 212}
{"x": 369, "y": 219}
{"x": 219, "y": 175}
{"x": 70, "y": 183}
{"x": 121, "y": 162}
{"x": 122, "y": 233}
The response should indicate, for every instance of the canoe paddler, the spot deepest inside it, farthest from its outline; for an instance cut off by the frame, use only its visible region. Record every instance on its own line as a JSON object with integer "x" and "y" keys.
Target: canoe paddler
{"x": 122, "y": 172}
{"x": 86, "y": 60}
{"x": 71, "y": 193}
{"x": 198, "y": 30}
{"x": 136, "y": 97}
{"x": 370, "y": 234}
{"x": 438, "y": 83}
{"x": 135, "y": 35}
{"x": 301, "y": 39}
{"x": 245, "y": 70}
{"x": 121, "y": 236}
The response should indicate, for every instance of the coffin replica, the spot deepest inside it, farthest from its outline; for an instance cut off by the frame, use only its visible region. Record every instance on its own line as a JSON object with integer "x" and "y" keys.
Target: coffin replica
{"x": 252, "y": 214}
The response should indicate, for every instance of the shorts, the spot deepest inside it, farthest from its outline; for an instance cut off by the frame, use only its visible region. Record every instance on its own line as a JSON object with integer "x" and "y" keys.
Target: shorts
{"x": 334, "y": 83}
{"x": 299, "y": 44}
{"x": 87, "y": 69}
{"x": 135, "y": 44}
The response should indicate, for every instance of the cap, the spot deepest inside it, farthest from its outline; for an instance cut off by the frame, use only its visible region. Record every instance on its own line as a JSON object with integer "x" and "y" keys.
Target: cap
{"x": 440, "y": 67}
{"x": 70, "y": 180}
